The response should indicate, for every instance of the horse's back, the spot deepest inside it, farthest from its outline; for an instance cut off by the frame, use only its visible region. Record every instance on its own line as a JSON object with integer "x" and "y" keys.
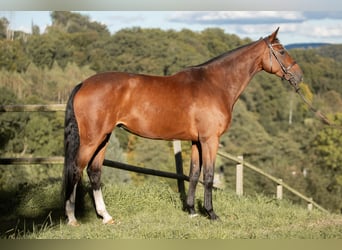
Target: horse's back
{"x": 150, "y": 106}
{"x": 176, "y": 107}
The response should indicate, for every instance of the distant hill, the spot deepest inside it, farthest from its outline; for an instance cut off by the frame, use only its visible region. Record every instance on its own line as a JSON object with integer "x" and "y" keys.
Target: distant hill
{"x": 306, "y": 45}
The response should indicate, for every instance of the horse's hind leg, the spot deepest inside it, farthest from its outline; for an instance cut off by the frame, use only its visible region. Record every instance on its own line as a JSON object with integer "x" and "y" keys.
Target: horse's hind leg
{"x": 94, "y": 173}
{"x": 80, "y": 164}
{"x": 70, "y": 208}
{"x": 195, "y": 171}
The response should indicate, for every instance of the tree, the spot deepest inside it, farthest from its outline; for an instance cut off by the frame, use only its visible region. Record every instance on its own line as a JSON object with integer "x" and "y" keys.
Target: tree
{"x": 44, "y": 50}
{"x": 327, "y": 145}
{"x": 153, "y": 154}
{"x": 72, "y": 22}
{"x": 3, "y": 28}
{"x": 13, "y": 56}
{"x": 218, "y": 42}
{"x": 327, "y": 157}
{"x": 10, "y": 125}
{"x": 35, "y": 30}
{"x": 114, "y": 152}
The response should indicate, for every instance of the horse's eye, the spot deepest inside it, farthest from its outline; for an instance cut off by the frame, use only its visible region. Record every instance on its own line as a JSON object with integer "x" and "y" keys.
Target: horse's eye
{"x": 282, "y": 52}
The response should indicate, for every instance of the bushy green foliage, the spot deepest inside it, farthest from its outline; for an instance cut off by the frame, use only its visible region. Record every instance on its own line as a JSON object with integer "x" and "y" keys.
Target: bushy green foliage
{"x": 12, "y": 57}
{"x": 71, "y": 22}
{"x": 328, "y": 144}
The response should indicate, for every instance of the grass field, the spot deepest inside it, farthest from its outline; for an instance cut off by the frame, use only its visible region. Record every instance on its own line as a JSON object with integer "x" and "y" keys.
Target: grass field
{"x": 154, "y": 211}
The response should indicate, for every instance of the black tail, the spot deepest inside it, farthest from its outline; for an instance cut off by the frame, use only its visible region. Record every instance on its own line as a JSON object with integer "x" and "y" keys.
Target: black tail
{"x": 71, "y": 173}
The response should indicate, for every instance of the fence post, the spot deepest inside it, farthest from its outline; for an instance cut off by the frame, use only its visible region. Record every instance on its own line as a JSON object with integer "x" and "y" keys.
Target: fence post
{"x": 177, "y": 149}
{"x": 239, "y": 177}
{"x": 280, "y": 190}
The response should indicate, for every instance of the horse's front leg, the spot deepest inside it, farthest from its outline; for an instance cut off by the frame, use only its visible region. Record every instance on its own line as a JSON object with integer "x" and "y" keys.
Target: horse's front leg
{"x": 209, "y": 150}
{"x": 195, "y": 171}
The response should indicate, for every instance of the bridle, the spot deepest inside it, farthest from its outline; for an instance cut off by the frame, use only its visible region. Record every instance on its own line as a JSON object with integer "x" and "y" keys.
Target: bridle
{"x": 288, "y": 75}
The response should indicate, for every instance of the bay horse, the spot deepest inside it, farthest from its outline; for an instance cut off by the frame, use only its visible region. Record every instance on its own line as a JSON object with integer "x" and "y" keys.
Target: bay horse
{"x": 194, "y": 104}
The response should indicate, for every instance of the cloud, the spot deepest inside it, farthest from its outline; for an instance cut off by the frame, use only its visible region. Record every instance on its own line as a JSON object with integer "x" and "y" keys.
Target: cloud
{"x": 317, "y": 29}
{"x": 237, "y": 17}
{"x": 250, "y": 17}
{"x": 300, "y": 26}
{"x": 317, "y": 15}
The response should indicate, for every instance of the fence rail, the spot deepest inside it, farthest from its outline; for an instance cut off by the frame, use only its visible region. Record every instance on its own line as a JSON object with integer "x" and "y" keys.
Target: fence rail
{"x": 177, "y": 151}
{"x": 178, "y": 176}
{"x": 274, "y": 179}
{"x": 32, "y": 108}
{"x": 32, "y": 161}
{"x": 108, "y": 163}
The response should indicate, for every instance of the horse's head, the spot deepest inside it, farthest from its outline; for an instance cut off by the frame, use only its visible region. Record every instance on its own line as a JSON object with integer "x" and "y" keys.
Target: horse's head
{"x": 277, "y": 60}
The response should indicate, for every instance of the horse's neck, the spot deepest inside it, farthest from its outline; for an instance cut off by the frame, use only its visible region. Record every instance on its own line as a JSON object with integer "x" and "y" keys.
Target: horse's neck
{"x": 237, "y": 69}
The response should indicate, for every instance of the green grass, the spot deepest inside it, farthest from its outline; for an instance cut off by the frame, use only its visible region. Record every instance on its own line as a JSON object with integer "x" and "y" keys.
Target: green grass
{"x": 154, "y": 211}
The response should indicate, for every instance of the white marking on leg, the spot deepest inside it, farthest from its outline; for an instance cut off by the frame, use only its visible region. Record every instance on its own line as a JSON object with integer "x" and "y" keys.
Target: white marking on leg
{"x": 193, "y": 215}
{"x": 101, "y": 207}
{"x": 70, "y": 208}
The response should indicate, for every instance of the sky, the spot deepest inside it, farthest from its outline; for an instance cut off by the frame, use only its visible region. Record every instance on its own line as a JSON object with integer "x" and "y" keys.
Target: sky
{"x": 295, "y": 26}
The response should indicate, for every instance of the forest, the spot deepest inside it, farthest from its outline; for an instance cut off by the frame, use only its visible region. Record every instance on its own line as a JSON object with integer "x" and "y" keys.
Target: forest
{"x": 272, "y": 127}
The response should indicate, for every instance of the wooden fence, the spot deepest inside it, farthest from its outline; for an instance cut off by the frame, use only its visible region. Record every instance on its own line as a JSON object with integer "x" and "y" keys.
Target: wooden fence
{"x": 280, "y": 184}
{"x": 179, "y": 175}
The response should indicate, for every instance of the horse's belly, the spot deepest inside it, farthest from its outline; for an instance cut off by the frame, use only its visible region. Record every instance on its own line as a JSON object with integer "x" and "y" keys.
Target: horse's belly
{"x": 158, "y": 126}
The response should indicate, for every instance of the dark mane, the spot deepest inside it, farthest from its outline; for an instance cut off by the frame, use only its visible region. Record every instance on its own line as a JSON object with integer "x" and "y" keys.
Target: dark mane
{"x": 224, "y": 55}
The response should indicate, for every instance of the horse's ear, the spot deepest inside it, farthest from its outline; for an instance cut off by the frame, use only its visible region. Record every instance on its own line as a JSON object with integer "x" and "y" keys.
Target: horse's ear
{"x": 273, "y": 36}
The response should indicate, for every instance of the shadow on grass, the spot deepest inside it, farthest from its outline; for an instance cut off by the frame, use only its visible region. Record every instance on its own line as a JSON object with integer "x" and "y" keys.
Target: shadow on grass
{"x": 31, "y": 208}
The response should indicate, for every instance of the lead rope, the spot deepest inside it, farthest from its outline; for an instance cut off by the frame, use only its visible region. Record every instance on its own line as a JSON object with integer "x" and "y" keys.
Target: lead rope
{"x": 287, "y": 71}
{"x": 318, "y": 113}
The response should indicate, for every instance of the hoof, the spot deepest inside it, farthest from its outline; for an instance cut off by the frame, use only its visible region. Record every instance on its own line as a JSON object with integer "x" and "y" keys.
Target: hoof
{"x": 214, "y": 217}
{"x": 109, "y": 222}
{"x": 73, "y": 223}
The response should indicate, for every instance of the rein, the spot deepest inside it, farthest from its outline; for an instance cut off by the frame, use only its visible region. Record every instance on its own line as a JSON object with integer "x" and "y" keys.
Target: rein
{"x": 318, "y": 113}
{"x": 288, "y": 75}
